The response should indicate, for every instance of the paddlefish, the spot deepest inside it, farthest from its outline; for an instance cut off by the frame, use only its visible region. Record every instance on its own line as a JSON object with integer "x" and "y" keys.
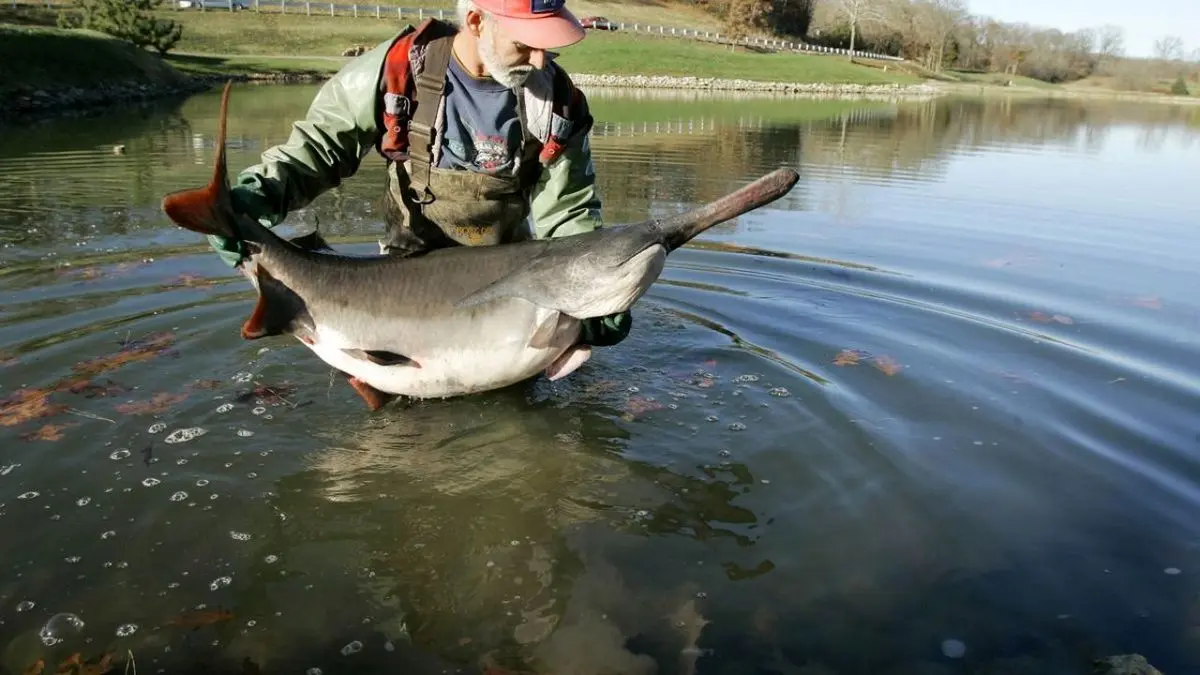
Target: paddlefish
{"x": 452, "y": 321}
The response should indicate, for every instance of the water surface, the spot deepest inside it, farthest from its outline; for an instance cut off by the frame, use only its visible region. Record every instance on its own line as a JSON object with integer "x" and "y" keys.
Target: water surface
{"x": 942, "y": 395}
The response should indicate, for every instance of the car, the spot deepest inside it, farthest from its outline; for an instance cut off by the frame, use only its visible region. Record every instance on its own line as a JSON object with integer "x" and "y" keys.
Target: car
{"x": 597, "y": 23}
{"x": 214, "y": 4}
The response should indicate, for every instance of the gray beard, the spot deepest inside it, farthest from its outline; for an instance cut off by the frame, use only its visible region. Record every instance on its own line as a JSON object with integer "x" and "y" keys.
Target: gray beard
{"x": 510, "y": 77}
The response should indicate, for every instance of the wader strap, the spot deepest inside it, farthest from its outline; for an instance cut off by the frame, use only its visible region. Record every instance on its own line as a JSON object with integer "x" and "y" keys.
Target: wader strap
{"x": 430, "y": 84}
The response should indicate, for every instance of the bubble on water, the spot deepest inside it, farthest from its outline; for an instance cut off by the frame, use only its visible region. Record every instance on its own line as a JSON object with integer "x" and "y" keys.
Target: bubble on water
{"x": 220, "y": 582}
{"x": 119, "y": 454}
{"x": 122, "y": 565}
{"x": 724, "y": 453}
{"x": 239, "y": 536}
{"x": 268, "y": 417}
{"x": 243, "y": 377}
{"x": 737, "y": 426}
{"x": 712, "y": 418}
{"x": 179, "y": 496}
{"x": 108, "y": 534}
{"x": 389, "y": 647}
{"x": 245, "y": 433}
{"x": 313, "y": 671}
{"x": 251, "y": 623}
{"x": 953, "y": 649}
{"x": 173, "y": 584}
{"x": 7, "y": 469}
{"x": 746, "y": 378}
{"x": 150, "y": 482}
{"x": 201, "y": 482}
{"x": 259, "y": 410}
{"x": 352, "y": 648}
{"x": 701, "y": 595}
{"x": 59, "y": 628}
{"x": 1172, "y": 571}
{"x": 779, "y": 392}
{"x": 72, "y": 559}
{"x": 83, "y": 501}
{"x": 225, "y": 407}
{"x": 126, "y": 629}
{"x": 181, "y": 461}
{"x": 212, "y": 496}
{"x": 185, "y": 435}
{"x": 271, "y": 559}
{"x": 157, "y": 428}
{"x": 32, "y": 494}
{"x": 25, "y": 605}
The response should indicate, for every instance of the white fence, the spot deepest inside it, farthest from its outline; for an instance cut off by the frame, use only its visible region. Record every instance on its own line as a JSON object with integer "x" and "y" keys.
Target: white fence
{"x": 310, "y": 8}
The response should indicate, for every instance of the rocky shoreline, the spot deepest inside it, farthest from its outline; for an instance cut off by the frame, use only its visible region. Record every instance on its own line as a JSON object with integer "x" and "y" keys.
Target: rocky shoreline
{"x": 717, "y": 84}
{"x": 19, "y": 106}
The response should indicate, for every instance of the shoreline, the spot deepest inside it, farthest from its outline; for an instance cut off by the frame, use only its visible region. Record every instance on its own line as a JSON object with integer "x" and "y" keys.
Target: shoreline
{"x": 34, "y": 105}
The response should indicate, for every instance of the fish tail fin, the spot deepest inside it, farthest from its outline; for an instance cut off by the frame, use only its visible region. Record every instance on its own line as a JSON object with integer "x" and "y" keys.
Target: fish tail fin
{"x": 207, "y": 210}
{"x": 677, "y": 230}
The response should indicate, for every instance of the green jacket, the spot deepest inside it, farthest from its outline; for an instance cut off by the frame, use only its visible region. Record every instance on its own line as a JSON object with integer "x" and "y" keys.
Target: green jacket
{"x": 341, "y": 128}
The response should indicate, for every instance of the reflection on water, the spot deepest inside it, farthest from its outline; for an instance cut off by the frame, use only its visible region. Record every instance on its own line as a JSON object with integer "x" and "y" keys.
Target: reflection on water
{"x": 933, "y": 412}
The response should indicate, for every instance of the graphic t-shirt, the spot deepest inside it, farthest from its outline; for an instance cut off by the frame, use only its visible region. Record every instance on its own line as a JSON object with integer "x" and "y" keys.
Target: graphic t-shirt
{"x": 482, "y": 131}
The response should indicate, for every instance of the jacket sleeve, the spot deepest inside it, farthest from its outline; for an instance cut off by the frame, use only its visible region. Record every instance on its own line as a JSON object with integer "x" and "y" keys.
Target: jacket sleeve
{"x": 565, "y": 200}
{"x": 324, "y": 148}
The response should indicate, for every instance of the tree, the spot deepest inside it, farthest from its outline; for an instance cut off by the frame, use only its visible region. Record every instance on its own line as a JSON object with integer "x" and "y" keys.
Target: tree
{"x": 1169, "y": 48}
{"x": 791, "y": 17}
{"x": 856, "y": 12}
{"x": 130, "y": 20}
{"x": 743, "y": 17}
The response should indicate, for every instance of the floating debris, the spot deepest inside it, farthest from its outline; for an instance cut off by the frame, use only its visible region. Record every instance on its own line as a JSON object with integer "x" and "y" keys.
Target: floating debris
{"x": 953, "y": 649}
{"x": 185, "y": 435}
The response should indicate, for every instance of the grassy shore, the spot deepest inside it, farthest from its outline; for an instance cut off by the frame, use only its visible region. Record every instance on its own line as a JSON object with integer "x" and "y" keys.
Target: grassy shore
{"x": 37, "y": 57}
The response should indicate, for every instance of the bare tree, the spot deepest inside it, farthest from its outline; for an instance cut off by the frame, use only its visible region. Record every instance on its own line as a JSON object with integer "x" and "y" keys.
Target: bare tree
{"x": 1169, "y": 48}
{"x": 1110, "y": 42}
{"x": 857, "y": 12}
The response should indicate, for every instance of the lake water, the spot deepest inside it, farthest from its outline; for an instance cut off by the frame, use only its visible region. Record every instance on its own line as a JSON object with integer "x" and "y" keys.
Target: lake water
{"x": 934, "y": 412}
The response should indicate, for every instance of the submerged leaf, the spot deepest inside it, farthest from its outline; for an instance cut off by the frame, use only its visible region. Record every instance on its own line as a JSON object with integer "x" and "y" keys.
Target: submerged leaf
{"x": 848, "y": 357}
{"x": 268, "y": 393}
{"x": 138, "y": 350}
{"x": 160, "y": 402}
{"x": 887, "y": 364}
{"x": 27, "y": 404}
{"x": 48, "y": 432}
{"x": 199, "y": 619}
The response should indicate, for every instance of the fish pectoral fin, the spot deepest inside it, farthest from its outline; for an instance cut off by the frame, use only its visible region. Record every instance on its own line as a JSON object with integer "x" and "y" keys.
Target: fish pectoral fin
{"x": 374, "y": 398}
{"x": 382, "y": 357}
{"x": 546, "y": 328}
{"x": 568, "y": 362}
{"x": 277, "y": 309}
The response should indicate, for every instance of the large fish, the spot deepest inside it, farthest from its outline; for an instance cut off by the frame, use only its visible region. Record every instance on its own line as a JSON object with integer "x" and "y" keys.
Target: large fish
{"x": 452, "y": 321}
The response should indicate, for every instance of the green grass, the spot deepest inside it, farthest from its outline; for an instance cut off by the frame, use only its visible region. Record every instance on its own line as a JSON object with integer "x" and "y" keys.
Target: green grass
{"x": 265, "y": 34}
{"x": 617, "y": 54}
{"x": 206, "y": 65}
{"x": 41, "y": 57}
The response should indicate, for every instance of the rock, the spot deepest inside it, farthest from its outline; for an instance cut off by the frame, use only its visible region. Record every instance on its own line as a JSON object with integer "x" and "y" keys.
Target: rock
{"x": 354, "y": 50}
{"x": 1125, "y": 664}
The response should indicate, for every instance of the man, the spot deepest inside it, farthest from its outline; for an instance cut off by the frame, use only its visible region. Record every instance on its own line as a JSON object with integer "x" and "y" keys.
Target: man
{"x": 481, "y": 131}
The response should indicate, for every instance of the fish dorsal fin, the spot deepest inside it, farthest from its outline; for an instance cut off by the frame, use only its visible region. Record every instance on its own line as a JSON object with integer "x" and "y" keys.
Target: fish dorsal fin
{"x": 313, "y": 241}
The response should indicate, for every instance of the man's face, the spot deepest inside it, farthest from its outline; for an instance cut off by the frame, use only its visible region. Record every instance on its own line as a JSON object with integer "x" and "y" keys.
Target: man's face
{"x": 508, "y": 62}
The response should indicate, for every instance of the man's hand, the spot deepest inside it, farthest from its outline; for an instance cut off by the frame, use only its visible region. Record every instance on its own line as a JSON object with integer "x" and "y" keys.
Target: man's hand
{"x": 605, "y": 331}
{"x": 247, "y": 201}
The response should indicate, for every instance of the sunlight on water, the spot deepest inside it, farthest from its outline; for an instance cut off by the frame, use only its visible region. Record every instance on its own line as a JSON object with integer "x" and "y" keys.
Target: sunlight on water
{"x": 931, "y": 412}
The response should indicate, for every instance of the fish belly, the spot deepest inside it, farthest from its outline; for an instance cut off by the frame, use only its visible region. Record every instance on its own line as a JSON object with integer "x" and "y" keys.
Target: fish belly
{"x": 455, "y": 356}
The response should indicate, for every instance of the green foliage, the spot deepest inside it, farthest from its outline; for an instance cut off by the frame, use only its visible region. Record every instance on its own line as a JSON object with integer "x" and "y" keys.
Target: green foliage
{"x": 1179, "y": 88}
{"x": 129, "y": 20}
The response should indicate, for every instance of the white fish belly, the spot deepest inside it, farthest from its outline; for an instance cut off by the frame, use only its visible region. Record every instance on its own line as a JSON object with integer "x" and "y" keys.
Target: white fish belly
{"x": 455, "y": 357}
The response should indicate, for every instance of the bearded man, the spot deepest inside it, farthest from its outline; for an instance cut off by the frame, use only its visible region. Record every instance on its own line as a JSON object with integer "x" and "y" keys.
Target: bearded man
{"x": 480, "y": 129}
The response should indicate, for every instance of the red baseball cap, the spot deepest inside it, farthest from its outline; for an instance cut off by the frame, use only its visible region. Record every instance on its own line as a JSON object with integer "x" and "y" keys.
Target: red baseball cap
{"x": 541, "y": 24}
